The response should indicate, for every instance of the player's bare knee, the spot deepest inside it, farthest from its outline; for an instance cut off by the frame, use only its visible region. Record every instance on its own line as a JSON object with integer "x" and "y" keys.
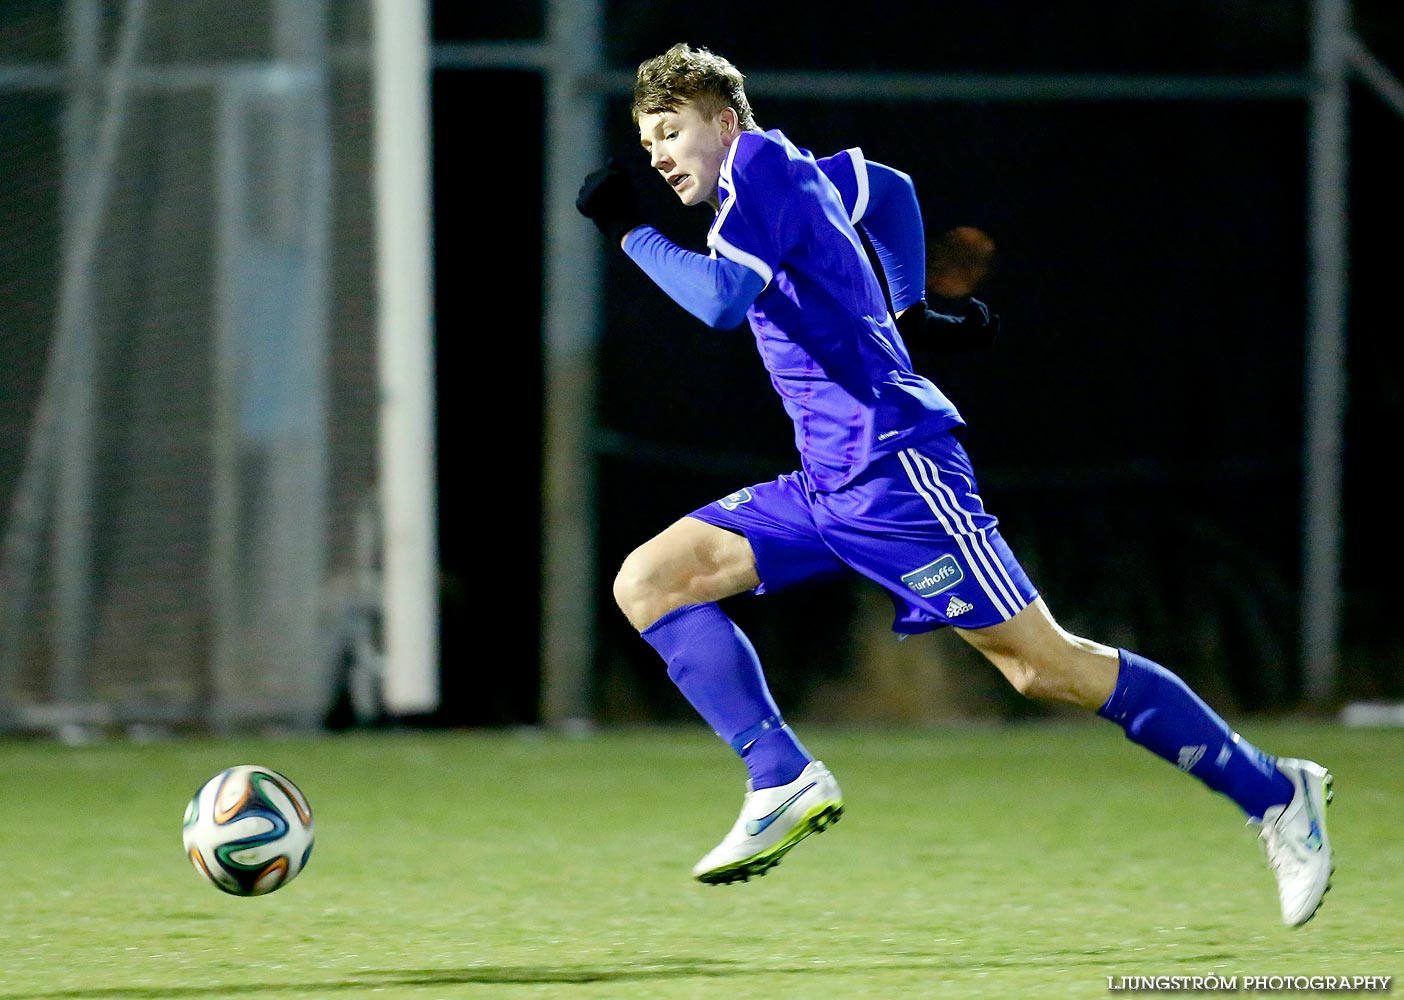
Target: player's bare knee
{"x": 1064, "y": 683}
{"x": 1036, "y": 681}
{"x": 634, "y": 592}
{"x": 1044, "y": 685}
{"x": 1024, "y": 678}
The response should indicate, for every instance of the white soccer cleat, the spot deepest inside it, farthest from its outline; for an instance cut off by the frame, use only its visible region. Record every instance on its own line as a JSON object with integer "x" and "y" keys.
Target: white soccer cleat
{"x": 1294, "y": 838}
{"x": 772, "y": 821}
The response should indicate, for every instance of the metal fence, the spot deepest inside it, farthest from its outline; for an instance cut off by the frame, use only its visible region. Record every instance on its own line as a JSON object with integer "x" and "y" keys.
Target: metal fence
{"x": 188, "y": 433}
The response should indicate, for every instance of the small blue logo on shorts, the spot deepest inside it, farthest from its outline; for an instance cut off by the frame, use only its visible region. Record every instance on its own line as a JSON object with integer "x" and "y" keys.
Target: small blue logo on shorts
{"x": 736, "y": 499}
{"x": 935, "y": 577}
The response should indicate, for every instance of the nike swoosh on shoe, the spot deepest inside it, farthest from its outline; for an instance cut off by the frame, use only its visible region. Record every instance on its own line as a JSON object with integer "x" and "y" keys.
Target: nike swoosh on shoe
{"x": 754, "y": 827}
{"x": 1313, "y": 840}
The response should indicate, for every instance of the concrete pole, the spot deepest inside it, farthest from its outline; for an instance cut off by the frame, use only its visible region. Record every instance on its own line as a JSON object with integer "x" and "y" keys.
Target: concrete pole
{"x": 574, "y": 274}
{"x": 406, "y": 357}
{"x": 1325, "y": 384}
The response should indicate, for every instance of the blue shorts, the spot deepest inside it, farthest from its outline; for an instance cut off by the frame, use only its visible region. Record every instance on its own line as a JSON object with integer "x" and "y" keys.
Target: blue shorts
{"x": 912, "y": 522}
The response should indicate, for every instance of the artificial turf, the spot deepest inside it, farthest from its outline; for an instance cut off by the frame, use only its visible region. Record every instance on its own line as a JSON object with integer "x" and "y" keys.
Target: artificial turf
{"x": 1018, "y": 860}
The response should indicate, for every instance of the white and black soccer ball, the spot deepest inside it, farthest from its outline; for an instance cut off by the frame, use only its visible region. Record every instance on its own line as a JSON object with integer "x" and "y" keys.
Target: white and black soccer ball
{"x": 248, "y": 830}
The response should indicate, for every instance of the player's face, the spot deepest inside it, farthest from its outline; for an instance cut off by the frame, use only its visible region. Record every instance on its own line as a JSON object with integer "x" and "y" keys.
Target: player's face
{"x": 687, "y": 148}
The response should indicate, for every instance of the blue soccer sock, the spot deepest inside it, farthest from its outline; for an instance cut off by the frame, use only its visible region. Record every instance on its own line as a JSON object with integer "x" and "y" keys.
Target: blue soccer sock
{"x": 716, "y": 668}
{"x": 1160, "y": 712}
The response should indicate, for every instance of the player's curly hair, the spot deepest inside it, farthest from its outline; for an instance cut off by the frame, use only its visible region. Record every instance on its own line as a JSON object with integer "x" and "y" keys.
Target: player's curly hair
{"x": 688, "y": 75}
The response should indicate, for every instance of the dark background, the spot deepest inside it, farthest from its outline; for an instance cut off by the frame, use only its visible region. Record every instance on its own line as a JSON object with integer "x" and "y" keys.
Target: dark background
{"x": 1137, "y": 428}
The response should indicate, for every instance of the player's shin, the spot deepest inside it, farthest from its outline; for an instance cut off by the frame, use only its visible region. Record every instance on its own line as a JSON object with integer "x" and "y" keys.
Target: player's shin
{"x": 716, "y": 668}
{"x": 1159, "y": 712}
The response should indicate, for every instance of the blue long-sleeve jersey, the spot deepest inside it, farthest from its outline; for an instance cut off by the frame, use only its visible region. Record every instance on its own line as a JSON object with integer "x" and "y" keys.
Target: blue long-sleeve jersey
{"x": 784, "y": 254}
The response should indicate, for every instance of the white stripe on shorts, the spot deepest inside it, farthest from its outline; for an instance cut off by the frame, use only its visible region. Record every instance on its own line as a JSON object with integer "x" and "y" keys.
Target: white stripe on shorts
{"x": 980, "y": 556}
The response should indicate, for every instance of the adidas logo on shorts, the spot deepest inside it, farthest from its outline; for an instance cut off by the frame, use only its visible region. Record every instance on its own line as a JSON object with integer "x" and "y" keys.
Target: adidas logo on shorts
{"x": 957, "y": 607}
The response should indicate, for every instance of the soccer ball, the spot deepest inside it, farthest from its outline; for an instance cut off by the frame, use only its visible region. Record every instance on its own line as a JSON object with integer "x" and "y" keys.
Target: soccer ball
{"x": 248, "y": 830}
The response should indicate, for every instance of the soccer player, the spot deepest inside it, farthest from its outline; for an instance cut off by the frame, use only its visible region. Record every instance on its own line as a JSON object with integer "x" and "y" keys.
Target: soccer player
{"x": 884, "y": 487}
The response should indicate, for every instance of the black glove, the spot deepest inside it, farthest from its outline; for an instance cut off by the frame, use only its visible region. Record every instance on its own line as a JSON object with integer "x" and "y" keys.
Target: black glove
{"x": 970, "y": 326}
{"x": 608, "y": 200}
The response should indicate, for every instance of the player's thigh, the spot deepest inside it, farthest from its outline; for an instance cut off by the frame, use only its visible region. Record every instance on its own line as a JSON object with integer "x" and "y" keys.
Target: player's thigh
{"x": 1044, "y": 660}
{"x": 1030, "y": 636}
{"x": 688, "y": 562}
{"x": 777, "y": 519}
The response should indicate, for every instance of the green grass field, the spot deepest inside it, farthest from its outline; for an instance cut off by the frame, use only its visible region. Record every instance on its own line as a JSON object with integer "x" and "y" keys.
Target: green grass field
{"x": 1020, "y": 862}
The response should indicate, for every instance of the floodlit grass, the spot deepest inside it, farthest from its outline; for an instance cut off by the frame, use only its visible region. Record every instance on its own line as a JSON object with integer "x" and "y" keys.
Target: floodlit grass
{"x": 1019, "y": 862}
